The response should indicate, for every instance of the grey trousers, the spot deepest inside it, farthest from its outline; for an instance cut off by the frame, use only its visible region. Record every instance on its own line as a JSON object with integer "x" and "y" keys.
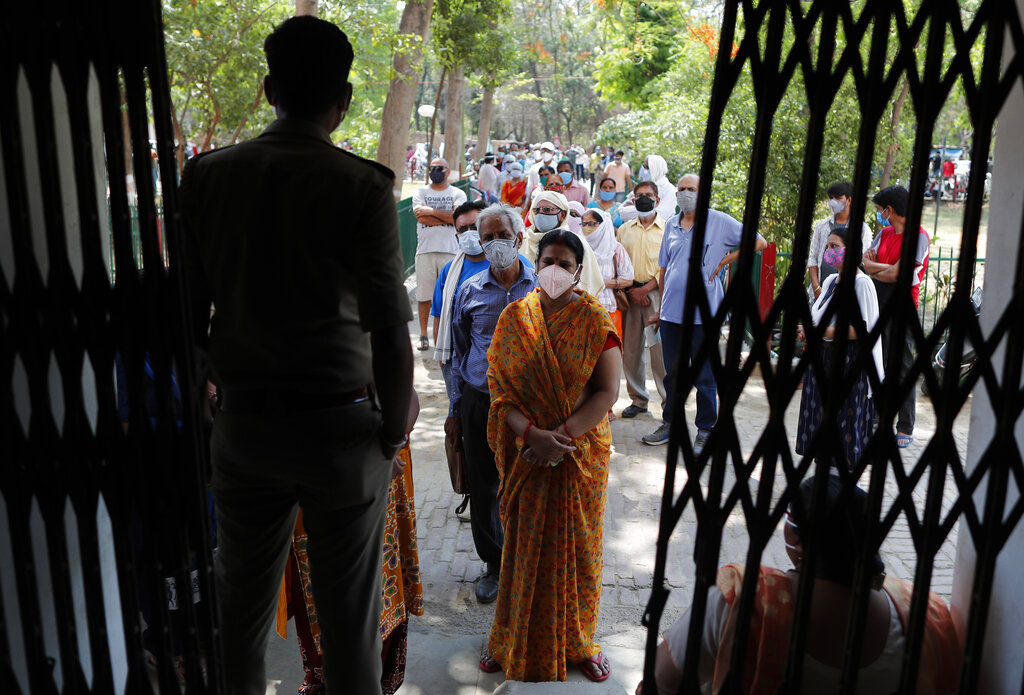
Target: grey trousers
{"x": 633, "y": 352}
{"x": 264, "y": 467}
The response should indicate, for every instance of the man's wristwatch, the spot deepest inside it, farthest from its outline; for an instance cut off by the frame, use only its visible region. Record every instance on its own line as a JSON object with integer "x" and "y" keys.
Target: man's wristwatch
{"x": 390, "y": 449}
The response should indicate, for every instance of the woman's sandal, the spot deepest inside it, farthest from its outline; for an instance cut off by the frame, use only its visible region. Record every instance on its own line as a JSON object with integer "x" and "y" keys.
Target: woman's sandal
{"x": 591, "y": 667}
{"x": 488, "y": 664}
{"x": 903, "y": 440}
{"x": 424, "y": 343}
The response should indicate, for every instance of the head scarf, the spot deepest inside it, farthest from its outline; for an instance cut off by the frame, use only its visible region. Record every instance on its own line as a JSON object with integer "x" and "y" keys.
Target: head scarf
{"x": 531, "y": 239}
{"x": 658, "y": 168}
{"x": 578, "y": 208}
{"x": 602, "y": 239}
{"x": 556, "y": 199}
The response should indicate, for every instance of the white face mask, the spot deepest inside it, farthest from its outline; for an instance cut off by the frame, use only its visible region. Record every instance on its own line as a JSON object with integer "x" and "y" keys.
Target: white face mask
{"x": 687, "y": 201}
{"x": 556, "y": 280}
{"x": 546, "y": 156}
{"x": 836, "y": 206}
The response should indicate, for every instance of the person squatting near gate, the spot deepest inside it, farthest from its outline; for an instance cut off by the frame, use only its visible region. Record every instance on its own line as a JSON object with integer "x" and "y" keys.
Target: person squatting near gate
{"x": 474, "y": 315}
{"x": 295, "y": 242}
{"x": 835, "y": 524}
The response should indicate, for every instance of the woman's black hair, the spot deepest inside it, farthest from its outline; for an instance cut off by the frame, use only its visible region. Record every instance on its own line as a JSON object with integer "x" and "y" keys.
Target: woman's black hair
{"x": 839, "y": 232}
{"x": 840, "y": 528}
{"x": 606, "y": 178}
{"x": 564, "y": 237}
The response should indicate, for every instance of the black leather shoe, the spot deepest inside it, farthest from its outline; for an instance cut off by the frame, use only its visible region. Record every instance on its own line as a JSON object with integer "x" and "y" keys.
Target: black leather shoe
{"x": 487, "y": 584}
{"x": 632, "y": 411}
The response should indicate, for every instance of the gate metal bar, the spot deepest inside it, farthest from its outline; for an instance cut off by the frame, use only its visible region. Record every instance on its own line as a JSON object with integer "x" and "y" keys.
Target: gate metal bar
{"x": 773, "y": 36}
{"x": 63, "y": 326}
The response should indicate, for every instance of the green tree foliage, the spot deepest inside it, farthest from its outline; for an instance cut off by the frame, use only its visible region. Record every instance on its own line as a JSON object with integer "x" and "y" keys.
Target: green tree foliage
{"x": 216, "y": 66}
{"x": 639, "y": 42}
{"x": 551, "y": 88}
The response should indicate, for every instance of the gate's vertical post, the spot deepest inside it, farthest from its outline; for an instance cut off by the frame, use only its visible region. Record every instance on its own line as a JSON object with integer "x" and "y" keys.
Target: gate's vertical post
{"x": 1003, "y": 661}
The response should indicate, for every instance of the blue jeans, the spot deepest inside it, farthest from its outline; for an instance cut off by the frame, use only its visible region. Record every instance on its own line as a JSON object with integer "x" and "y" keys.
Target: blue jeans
{"x": 707, "y": 391}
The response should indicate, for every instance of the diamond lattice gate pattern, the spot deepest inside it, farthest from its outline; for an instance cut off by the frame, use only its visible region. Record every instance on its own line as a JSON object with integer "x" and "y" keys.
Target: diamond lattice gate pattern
{"x": 926, "y": 501}
{"x": 103, "y": 513}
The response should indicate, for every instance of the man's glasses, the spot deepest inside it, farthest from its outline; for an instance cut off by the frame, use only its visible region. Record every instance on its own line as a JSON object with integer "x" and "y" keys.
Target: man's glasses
{"x": 465, "y": 228}
{"x": 438, "y": 168}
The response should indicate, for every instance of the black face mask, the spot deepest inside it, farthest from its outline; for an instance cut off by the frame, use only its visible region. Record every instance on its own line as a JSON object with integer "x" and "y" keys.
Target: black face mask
{"x": 644, "y": 204}
{"x": 438, "y": 175}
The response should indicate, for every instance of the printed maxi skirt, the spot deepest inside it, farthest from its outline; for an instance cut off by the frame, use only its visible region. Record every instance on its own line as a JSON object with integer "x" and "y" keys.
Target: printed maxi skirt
{"x": 854, "y": 420}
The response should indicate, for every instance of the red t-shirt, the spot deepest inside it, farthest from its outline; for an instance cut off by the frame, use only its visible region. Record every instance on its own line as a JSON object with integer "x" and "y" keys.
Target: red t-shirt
{"x": 888, "y": 244}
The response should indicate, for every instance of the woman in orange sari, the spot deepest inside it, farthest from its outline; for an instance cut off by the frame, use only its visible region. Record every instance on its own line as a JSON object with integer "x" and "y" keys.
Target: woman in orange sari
{"x": 553, "y": 372}
{"x": 513, "y": 191}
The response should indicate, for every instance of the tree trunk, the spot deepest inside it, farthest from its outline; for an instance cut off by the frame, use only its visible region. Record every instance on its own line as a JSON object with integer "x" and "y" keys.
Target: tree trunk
{"x": 894, "y": 126}
{"x": 305, "y": 7}
{"x": 394, "y": 131}
{"x": 483, "y": 131}
{"x": 453, "y": 119}
{"x": 540, "y": 98}
{"x": 126, "y": 137}
{"x": 433, "y": 122}
{"x": 245, "y": 116}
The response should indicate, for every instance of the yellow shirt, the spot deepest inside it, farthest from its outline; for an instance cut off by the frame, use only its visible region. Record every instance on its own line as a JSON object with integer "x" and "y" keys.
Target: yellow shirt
{"x": 642, "y": 244}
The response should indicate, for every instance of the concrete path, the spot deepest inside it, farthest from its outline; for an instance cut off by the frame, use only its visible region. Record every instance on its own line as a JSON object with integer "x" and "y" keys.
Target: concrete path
{"x": 445, "y": 643}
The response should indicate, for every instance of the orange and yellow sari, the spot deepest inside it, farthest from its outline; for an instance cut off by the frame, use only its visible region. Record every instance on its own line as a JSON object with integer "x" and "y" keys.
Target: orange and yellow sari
{"x": 550, "y": 587}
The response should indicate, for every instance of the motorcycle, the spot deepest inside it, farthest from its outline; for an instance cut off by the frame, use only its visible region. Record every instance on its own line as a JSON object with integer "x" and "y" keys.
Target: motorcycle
{"x": 940, "y": 363}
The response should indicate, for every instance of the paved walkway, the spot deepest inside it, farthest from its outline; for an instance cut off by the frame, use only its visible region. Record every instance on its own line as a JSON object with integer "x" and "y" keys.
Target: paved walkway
{"x": 445, "y": 642}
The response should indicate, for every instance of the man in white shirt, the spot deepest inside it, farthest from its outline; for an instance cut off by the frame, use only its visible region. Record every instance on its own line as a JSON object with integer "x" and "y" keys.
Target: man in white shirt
{"x": 436, "y": 244}
{"x": 487, "y": 178}
{"x": 839, "y": 196}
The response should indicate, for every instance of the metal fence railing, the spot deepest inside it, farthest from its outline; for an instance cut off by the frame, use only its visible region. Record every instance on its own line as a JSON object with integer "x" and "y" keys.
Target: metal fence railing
{"x": 936, "y": 287}
{"x": 406, "y": 232}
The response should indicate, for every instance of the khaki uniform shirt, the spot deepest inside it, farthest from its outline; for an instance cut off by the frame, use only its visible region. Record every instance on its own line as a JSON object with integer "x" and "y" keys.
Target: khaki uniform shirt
{"x": 296, "y": 243}
{"x": 643, "y": 246}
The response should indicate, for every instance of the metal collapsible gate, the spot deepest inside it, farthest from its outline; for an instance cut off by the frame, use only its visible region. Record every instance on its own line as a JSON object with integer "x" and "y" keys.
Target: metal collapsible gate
{"x": 874, "y": 44}
{"x": 99, "y": 516}
{"x": 102, "y": 512}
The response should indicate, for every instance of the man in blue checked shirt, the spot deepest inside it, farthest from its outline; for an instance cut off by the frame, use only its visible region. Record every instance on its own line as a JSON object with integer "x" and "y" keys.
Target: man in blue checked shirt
{"x": 721, "y": 235}
{"x": 478, "y": 305}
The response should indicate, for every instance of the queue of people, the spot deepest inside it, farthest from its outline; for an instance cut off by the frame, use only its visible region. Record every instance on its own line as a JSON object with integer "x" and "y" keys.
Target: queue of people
{"x": 538, "y": 308}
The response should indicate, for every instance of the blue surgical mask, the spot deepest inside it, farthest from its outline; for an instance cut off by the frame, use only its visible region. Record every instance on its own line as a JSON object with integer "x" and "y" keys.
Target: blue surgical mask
{"x": 607, "y": 195}
{"x": 881, "y": 220}
{"x": 566, "y": 177}
{"x": 469, "y": 241}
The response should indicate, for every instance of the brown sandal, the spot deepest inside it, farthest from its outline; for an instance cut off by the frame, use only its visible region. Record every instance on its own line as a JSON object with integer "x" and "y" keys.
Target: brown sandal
{"x": 487, "y": 663}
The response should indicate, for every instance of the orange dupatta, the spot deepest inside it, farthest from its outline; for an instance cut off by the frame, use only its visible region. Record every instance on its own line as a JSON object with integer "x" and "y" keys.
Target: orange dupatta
{"x": 550, "y": 585}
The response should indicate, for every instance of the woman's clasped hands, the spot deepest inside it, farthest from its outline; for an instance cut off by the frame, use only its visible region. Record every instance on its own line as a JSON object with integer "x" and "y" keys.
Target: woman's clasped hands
{"x": 547, "y": 447}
